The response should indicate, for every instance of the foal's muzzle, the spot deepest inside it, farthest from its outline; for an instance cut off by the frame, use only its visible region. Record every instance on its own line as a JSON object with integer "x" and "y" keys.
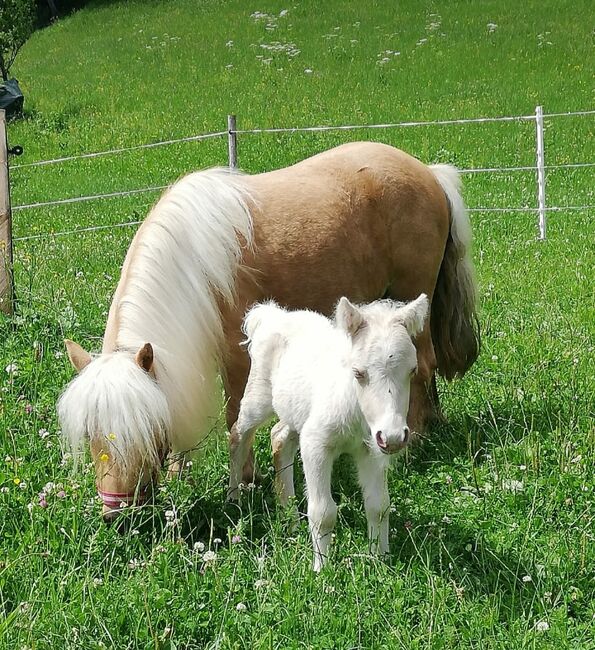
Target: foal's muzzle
{"x": 390, "y": 445}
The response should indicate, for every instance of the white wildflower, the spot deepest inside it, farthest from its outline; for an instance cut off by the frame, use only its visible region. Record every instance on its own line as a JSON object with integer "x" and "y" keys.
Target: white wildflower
{"x": 542, "y": 626}
{"x": 241, "y": 607}
{"x": 209, "y": 556}
{"x": 527, "y": 579}
{"x": 512, "y": 485}
{"x": 12, "y": 369}
{"x": 199, "y": 547}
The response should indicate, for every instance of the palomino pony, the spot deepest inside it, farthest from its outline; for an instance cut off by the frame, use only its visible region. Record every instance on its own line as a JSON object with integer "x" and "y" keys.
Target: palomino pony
{"x": 339, "y": 388}
{"x": 363, "y": 220}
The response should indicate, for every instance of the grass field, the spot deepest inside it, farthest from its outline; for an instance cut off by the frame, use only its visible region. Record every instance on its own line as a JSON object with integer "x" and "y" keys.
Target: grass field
{"x": 492, "y": 531}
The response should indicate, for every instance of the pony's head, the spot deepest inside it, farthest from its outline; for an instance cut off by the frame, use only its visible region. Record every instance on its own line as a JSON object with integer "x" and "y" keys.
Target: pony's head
{"x": 117, "y": 405}
{"x": 383, "y": 359}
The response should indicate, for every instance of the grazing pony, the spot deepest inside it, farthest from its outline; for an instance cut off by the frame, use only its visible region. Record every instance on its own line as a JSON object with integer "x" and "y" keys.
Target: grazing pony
{"x": 363, "y": 220}
{"x": 337, "y": 388}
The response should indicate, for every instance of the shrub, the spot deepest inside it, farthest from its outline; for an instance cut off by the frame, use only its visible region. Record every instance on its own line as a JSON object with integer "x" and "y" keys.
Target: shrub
{"x": 16, "y": 25}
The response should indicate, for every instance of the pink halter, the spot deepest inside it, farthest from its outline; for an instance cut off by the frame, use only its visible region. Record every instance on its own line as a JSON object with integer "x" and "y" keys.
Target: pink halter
{"x": 115, "y": 499}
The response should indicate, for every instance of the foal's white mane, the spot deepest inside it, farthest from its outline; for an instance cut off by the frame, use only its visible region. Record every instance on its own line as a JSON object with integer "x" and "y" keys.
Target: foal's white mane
{"x": 180, "y": 266}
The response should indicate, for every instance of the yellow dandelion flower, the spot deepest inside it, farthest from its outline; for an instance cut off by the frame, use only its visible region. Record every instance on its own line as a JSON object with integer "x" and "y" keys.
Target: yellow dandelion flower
{"x": 16, "y": 480}
{"x": 111, "y": 436}
{"x": 103, "y": 457}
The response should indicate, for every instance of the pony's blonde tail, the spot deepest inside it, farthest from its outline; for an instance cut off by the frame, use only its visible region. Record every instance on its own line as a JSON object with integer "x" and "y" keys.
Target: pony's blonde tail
{"x": 454, "y": 323}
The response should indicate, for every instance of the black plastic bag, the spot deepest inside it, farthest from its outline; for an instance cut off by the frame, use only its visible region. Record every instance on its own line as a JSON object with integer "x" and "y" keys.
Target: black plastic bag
{"x": 11, "y": 97}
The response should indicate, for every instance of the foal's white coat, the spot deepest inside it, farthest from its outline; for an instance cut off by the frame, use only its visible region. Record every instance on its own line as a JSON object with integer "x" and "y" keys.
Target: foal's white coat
{"x": 337, "y": 387}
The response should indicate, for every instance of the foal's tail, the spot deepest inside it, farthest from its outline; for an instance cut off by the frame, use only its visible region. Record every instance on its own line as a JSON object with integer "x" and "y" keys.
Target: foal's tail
{"x": 454, "y": 323}
{"x": 256, "y": 315}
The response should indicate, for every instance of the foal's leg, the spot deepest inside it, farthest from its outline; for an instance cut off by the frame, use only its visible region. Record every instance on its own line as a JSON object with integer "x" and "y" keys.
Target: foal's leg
{"x": 285, "y": 443}
{"x": 322, "y": 510}
{"x": 255, "y": 409}
{"x": 372, "y": 478}
{"x": 235, "y": 377}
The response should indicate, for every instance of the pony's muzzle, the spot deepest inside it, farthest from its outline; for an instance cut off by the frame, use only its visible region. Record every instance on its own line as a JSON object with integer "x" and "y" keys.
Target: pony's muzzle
{"x": 114, "y": 503}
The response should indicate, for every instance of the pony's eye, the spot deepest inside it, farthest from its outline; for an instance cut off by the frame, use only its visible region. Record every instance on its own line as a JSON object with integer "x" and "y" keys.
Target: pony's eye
{"x": 414, "y": 371}
{"x": 360, "y": 375}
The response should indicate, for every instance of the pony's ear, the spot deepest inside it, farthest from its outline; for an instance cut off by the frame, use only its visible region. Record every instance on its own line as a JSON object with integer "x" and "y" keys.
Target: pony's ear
{"x": 414, "y": 315}
{"x": 348, "y": 317}
{"x": 144, "y": 357}
{"x": 79, "y": 358}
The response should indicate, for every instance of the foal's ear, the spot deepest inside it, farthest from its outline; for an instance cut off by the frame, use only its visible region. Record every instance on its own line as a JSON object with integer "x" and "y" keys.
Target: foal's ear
{"x": 144, "y": 357}
{"x": 79, "y": 358}
{"x": 414, "y": 315}
{"x": 348, "y": 317}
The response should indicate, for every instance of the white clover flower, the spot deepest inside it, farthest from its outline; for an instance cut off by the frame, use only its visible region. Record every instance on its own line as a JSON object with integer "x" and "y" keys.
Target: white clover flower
{"x": 97, "y": 582}
{"x": 199, "y": 547}
{"x": 513, "y": 485}
{"x": 259, "y": 584}
{"x": 12, "y": 369}
{"x": 542, "y": 626}
{"x": 241, "y": 607}
{"x": 527, "y": 579}
{"x": 209, "y": 556}
{"x": 43, "y": 433}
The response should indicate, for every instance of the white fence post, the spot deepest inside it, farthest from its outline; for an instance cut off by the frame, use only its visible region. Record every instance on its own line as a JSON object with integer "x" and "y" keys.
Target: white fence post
{"x": 540, "y": 171}
{"x": 232, "y": 142}
{"x": 6, "y": 279}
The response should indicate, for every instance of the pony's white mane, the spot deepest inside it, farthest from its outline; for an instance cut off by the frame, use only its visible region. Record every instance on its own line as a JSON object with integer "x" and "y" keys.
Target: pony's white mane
{"x": 179, "y": 269}
{"x": 186, "y": 257}
{"x": 116, "y": 404}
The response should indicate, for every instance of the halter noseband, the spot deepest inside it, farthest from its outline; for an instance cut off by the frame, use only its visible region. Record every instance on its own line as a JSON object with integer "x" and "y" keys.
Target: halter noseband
{"x": 116, "y": 499}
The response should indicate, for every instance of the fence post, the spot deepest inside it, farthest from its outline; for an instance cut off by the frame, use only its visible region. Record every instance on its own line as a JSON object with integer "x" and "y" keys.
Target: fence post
{"x": 6, "y": 280}
{"x": 540, "y": 171}
{"x": 232, "y": 142}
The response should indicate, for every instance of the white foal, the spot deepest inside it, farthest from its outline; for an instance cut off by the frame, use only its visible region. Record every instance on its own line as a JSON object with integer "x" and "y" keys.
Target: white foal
{"x": 337, "y": 387}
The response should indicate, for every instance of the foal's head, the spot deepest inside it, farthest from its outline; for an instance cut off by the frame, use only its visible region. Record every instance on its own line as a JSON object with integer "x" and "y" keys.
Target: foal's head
{"x": 383, "y": 360}
{"x": 116, "y": 404}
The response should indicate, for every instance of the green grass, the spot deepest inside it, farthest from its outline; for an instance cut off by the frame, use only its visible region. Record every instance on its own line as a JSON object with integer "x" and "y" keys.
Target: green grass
{"x": 493, "y": 524}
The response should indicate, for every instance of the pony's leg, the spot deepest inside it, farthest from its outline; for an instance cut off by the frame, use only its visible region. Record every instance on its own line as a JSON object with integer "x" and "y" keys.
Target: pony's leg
{"x": 175, "y": 466}
{"x": 322, "y": 510}
{"x": 285, "y": 443}
{"x": 424, "y": 406}
{"x": 372, "y": 478}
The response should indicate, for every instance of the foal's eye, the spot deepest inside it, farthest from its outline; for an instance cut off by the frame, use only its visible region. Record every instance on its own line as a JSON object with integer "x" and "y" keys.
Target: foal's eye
{"x": 360, "y": 375}
{"x": 414, "y": 372}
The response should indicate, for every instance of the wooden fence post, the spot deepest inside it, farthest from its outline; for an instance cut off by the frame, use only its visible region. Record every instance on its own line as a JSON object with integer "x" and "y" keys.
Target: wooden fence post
{"x": 232, "y": 142}
{"x": 6, "y": 279}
